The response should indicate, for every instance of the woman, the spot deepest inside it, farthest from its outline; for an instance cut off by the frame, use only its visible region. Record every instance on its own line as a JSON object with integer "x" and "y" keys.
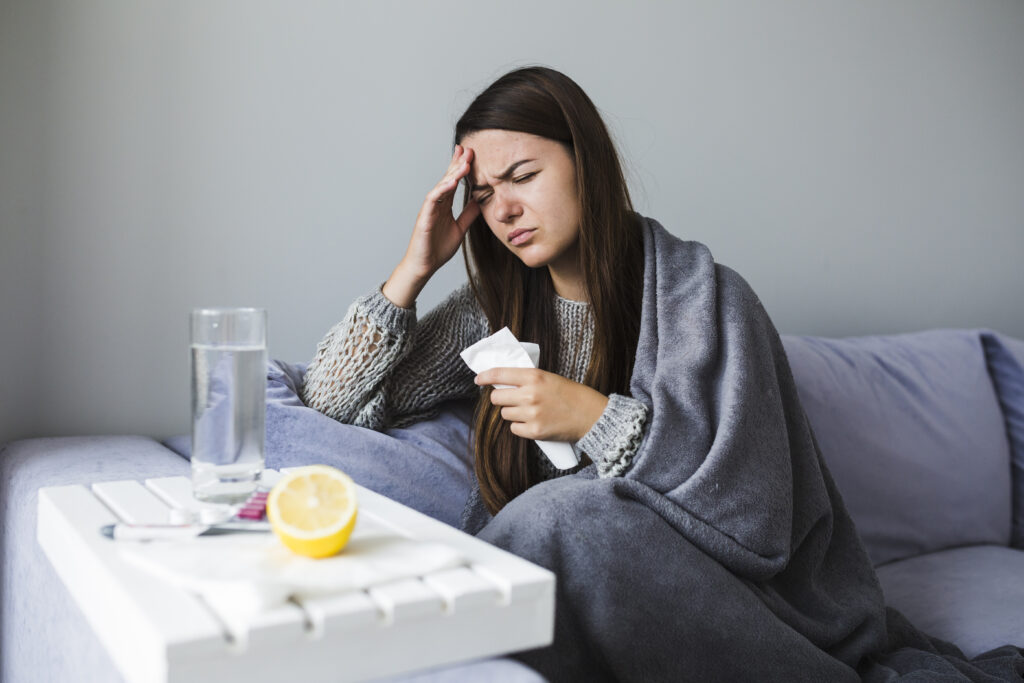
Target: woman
{"x": 557, "y": 257}
{"x": 707, "y": 540}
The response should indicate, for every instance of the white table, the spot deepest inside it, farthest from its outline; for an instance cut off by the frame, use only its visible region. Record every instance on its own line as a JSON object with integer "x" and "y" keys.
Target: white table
{"x": 154, "y": 631}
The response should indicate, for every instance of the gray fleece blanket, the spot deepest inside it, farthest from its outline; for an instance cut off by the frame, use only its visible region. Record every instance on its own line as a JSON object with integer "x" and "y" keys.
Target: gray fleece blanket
{"x": 725, "y": 552}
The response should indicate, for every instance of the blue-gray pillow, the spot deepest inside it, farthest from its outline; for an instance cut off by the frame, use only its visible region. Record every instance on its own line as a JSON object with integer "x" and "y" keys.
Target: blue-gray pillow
{"x": 1005, "y": 356}
{"x": 910, "y": 427}
{"x": 426, "y": 466}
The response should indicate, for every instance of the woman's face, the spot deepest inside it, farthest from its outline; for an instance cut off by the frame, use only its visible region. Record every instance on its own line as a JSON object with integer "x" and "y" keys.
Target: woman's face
{"x": 526, "y": 188}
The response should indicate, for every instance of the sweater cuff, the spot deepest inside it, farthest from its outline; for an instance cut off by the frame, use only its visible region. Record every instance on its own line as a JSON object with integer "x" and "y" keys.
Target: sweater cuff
{"x": 383, "y": 313}
{"x": 614, "y": 439}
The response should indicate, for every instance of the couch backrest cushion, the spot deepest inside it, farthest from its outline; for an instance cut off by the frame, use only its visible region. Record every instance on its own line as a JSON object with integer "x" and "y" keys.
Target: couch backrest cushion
{"x": 1005, "y": 356}
{"x": 910, "y": 427}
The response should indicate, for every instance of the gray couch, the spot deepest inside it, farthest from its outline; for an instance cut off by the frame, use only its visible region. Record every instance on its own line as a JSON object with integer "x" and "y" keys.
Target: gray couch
{"x": 923, "y": 433}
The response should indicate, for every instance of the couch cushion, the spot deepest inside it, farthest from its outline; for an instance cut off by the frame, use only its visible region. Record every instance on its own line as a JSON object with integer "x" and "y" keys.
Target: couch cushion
{"x": 911, "y": 430}
{"x": 1005, "y": 357}
{"x": 972, "y": 597}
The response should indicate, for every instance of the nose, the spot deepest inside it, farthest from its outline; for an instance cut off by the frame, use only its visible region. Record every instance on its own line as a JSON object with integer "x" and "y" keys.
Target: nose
{"x": 506, "y": 205}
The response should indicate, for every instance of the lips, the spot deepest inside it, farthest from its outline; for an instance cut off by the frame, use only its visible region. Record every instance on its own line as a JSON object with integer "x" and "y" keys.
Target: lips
{"x": 519, "y": 236}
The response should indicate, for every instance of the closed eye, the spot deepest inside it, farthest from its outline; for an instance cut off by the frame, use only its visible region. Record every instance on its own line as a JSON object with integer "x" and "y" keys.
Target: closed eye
{"x": 519, "y": 180}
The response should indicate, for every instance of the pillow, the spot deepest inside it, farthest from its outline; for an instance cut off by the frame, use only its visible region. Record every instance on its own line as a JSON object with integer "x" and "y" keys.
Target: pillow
{"x": 911, "y": 430}
{"x": 426, "y": 466}
{"x": 1005, "y": 357}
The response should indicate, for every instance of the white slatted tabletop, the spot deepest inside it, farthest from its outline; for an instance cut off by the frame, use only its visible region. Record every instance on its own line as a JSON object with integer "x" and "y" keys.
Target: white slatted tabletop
{"x": 155, "y": 631}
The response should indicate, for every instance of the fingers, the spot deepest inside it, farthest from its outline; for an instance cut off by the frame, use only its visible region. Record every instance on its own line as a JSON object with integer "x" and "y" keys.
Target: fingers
{"x": 460, "y": 164}
{"x": 523, "y": 422}
{"x": 459, "y": 155}
{"x": 523, "y": 430}
{"x": 514, "y": 376}
{"x": 518, "y": 414}
{"x": 468, "y": 215}
{"x": 457, "y": 169}
{"x": 506, "y": 397}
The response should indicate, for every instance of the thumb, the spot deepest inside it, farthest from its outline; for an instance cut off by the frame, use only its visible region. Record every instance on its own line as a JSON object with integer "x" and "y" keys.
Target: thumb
{"x": 468, "y": 215}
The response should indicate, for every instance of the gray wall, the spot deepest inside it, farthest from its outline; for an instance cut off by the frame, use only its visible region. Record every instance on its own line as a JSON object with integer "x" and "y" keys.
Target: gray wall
{"x": 861, "y": 163}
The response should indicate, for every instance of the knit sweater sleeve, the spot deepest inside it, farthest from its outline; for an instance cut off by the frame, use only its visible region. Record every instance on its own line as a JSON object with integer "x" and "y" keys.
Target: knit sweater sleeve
{"x": 616, "y": 436}
{"x": 380, "y": 367}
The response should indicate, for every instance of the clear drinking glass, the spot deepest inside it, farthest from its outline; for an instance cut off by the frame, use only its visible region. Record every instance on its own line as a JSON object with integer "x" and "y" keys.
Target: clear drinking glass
{"x": 229, "y": 358}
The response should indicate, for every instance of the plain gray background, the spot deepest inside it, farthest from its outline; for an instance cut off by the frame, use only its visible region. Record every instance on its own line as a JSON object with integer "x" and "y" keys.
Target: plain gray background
{"x": 860, "y": 163}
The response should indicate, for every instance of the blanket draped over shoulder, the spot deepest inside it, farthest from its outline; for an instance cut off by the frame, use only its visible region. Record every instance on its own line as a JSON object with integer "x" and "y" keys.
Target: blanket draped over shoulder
{"x": 725, "y": 552}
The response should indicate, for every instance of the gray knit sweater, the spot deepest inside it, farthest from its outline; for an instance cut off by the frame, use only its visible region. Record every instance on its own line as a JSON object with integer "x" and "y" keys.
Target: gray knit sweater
{"x": 379, "y": 368}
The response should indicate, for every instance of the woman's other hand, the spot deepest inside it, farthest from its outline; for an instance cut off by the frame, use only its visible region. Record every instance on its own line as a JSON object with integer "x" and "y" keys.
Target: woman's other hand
{"x": 437, "y": 233}
{"x": 543, "y": 405}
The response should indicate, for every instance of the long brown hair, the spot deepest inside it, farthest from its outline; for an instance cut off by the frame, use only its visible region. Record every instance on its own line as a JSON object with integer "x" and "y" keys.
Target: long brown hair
{"x": 544, "y": 102}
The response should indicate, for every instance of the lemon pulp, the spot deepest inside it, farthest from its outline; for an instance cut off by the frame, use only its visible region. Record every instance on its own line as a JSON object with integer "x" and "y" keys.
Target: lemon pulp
{"x": 313, "y": 510}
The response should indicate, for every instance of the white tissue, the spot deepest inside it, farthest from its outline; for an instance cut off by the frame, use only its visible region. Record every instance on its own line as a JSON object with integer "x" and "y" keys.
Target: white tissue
{"x": 503, "y": 350}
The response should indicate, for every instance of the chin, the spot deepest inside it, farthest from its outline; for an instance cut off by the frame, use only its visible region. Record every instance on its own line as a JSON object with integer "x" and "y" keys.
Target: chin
{"x": 531, "y": 260}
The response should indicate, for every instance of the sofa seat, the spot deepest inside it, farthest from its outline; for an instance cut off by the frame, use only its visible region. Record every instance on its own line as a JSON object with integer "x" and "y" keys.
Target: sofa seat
{"x": 982, "y": 594}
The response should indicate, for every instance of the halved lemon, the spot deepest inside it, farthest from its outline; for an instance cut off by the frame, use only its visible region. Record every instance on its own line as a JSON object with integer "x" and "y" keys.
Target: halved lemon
{"x": 312, "y": 510}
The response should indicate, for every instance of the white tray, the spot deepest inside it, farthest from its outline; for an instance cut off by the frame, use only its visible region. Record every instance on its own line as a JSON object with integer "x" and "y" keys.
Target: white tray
{"x": 496, "y": 604}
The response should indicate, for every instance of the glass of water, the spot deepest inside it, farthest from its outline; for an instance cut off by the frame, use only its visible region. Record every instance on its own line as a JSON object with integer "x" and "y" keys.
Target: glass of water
{"x": 229, "y": 358}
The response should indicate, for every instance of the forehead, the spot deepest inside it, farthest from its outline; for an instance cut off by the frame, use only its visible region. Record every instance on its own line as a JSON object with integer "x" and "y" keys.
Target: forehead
{"x": 495, "y": 150}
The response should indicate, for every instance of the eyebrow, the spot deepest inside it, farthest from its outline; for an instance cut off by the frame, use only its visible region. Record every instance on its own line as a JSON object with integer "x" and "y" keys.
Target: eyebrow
{"x": 504, "y": 176}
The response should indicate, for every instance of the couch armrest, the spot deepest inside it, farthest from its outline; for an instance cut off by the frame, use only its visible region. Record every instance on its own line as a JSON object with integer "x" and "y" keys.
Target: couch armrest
{"x": 43, "y": 635}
